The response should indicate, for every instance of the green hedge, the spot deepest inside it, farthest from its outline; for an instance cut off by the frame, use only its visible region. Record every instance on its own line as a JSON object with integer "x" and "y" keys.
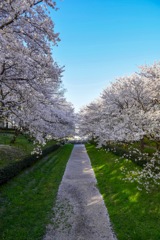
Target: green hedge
{"x": 15, "y": 168}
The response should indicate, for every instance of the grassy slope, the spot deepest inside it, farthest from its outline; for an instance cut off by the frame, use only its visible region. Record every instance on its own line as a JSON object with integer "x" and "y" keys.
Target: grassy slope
{"x": 10, "y": 153}
{"x": 135, "y": 215}
{"x": 26, "y": 201}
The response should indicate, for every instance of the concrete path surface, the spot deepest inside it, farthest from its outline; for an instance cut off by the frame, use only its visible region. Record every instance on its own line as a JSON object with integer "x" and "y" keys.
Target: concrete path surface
{"x": 80, "y": 213}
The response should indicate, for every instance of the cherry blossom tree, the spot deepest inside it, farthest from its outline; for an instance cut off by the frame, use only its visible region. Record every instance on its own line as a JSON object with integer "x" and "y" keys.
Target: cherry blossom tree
{"x": 89, "y": 119}
{"x": 128, "y": 111}
{"x": 31, "y": 92}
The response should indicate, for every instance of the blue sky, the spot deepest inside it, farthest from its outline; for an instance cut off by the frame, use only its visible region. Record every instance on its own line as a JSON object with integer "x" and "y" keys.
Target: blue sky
{"x": 102, "y": 40}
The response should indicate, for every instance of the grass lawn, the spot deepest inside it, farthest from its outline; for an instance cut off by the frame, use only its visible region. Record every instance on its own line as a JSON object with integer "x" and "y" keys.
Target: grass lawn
{"x": 22, "y": 147}
{"x": 26, "y": 201}
{"x": 21, "y": 141}
{"x": 10, "y": 153}
{"x": 135, "y": 215}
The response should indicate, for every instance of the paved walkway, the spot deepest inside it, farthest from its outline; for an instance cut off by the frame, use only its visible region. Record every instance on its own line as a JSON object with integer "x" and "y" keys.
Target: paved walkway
{"x": 80, "y": 213}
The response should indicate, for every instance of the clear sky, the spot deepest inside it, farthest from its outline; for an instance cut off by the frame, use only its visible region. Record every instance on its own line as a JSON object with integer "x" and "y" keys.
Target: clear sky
{"x": 102, "y": 40}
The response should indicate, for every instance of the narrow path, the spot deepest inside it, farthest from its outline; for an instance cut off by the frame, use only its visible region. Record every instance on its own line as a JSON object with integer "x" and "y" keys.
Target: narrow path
{"x": 80, "y": 213}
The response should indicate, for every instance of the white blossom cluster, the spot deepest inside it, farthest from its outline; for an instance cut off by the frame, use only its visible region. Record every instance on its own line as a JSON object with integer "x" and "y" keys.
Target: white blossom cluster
{"x": 127, "y": 111}
{"x": 146, "y": 177}
{"x": 31, "y": 92}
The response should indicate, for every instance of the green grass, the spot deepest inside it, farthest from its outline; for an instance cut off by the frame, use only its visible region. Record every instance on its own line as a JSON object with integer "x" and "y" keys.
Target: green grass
{"x": 26, "y": 201}
{"x": 135, "y": 215}
{"x": 22, "y": 147}
{"x": 21, "y": 141}
{"x": 149, "y": 146}
{"x": 10, "y": 153}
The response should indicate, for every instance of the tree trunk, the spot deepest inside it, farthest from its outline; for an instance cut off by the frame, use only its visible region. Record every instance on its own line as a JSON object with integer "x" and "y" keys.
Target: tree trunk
{"x": 142, "y": 144}
{"x": 13, "y": 140}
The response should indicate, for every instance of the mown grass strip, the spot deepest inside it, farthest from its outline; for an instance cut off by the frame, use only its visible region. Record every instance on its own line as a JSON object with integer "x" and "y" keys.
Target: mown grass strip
{"x": 27, "y": 200}
{"x": 135, "y": 215}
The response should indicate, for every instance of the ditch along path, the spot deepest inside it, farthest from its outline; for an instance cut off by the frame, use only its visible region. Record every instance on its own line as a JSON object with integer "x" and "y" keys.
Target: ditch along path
{"x": 80, "y": 213}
